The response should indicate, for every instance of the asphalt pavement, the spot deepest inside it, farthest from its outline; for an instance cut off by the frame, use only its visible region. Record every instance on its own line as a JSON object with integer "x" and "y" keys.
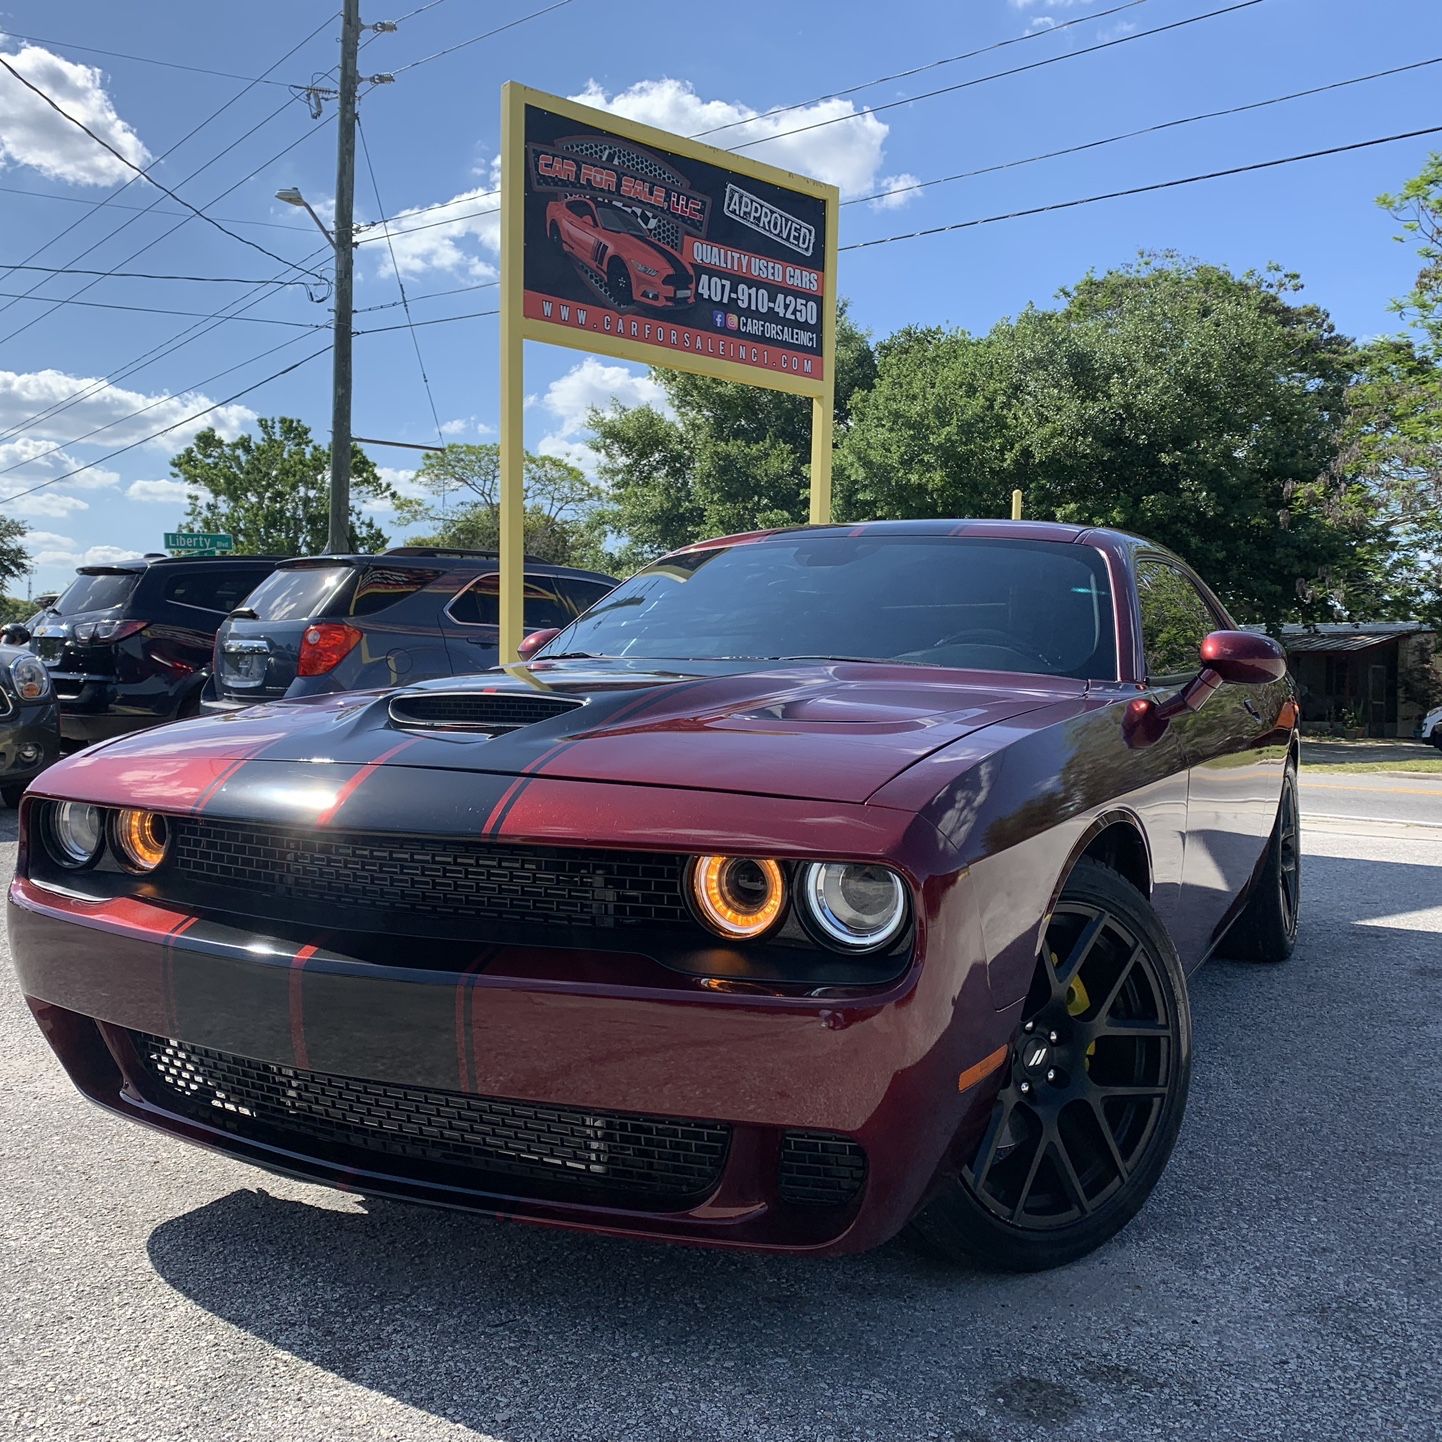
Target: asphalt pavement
{"x": 1392, "y": 796}
{"x": 1282, "y": 1282}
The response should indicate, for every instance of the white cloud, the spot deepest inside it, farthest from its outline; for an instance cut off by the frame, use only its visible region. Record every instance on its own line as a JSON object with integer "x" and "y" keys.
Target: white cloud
{"x": 48, "y": 540}
{"x": 170, "y": 493}
{"x": 25, "y": 393}
{"x": 404, "y": 482}
{"x": 33, "y": 135}
{"x": 68, "y": 555}
{"x": 1040, "y": 22}
{"x": 466, "y": 426}
{"x": 896, "y": 191}
{"x": 597, "y": 383}
{"x": 443, "y": 238}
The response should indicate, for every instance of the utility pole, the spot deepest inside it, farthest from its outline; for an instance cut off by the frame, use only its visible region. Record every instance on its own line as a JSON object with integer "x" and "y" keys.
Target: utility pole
{"x": 338, "y": 535}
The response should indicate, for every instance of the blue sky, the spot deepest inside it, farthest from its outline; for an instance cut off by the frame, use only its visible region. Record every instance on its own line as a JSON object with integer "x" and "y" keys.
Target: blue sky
{"x": 434, "y": 135}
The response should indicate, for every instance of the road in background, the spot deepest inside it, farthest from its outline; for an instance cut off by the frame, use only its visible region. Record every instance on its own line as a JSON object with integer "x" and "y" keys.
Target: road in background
{"x": 1279, "y": 1283}
{"x": 1377, "y": 795}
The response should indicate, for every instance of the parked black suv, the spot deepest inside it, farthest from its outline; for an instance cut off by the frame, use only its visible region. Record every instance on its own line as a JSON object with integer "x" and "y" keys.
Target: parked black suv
{"x": 347, "y": 623}
{"x": 128, "y": 643}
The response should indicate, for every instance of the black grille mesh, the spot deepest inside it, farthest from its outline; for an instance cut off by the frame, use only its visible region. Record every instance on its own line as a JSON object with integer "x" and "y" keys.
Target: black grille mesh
{"x": 653, "y": 1160}
{"x": 336, "y": 875}
{"x": 477, "y": 711}
{"x": 821, "y": 1170}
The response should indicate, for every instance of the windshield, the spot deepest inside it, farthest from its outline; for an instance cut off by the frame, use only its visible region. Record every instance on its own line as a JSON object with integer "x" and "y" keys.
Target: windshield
{"x": 1025, "y": 606}
{"x": 620, "y": 220}
{"x": 295, "y": 592}
{"x": 98, "y": 592}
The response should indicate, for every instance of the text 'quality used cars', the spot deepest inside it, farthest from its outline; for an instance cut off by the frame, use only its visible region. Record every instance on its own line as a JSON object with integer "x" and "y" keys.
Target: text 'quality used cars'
{"x": 814, "y": 882}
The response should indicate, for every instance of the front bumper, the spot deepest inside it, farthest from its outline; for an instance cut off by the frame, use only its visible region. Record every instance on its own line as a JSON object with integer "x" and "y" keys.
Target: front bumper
{"x": 29, "y": 742}
{"x": 875, "y": 1075}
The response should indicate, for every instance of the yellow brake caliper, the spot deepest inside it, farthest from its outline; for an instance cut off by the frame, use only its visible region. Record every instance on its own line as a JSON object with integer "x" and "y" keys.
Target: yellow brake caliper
{"x": 1077, "y": 1002}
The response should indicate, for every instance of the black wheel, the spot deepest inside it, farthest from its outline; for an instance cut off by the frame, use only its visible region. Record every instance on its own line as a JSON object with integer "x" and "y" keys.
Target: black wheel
{"x": 1092, "y": 1100}
{"x": 1267, "y": 928}
{"x": 618, "y": 279}
{"x": 10, "y": 794}
{"x": 1437, "y": 738}
{"x": 554, "y": 235}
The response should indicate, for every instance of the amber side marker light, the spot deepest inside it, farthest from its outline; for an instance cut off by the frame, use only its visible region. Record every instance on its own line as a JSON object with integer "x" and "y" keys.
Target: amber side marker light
{"x": 738, "y": 897}
{"x": 141, "y": 838}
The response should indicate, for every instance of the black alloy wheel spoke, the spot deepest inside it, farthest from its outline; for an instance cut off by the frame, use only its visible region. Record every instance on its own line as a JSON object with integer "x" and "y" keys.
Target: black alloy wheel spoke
{"x": 1092, "y": 1064}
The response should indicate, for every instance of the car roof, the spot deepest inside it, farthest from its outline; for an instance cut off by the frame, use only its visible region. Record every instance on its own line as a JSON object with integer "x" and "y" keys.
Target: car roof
{"x": 138, "y": 564}
{"x": 458, "y": 558}
{"x": 978, "y": 527}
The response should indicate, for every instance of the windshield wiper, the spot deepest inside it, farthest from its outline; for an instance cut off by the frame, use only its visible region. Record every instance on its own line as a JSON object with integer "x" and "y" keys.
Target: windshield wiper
{"x": 244, "y": 613}
{"x": 568, "y": 656}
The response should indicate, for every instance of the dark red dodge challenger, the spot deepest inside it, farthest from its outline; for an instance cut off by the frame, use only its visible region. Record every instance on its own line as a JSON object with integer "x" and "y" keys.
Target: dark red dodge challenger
{"x": 814, "y": 882}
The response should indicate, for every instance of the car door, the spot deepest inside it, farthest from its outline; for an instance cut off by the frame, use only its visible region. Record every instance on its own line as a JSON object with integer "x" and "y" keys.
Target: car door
{"x": 1234, "y": 765}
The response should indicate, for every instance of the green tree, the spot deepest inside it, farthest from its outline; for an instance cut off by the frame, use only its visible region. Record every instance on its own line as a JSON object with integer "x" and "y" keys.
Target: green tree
{"x": 730, "y": 457}
{"x": 1196, "y": 407}
{"x": 1394, "y": 440}
{"x": 462, "y": 504}
{"x": 14, "y": 558}
{"x": 272, "y": 491}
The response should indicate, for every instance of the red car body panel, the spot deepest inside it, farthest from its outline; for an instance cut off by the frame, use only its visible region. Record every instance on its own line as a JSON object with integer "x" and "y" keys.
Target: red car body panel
{"x": 593, "y": 247}
{"x": 980, "y": 789}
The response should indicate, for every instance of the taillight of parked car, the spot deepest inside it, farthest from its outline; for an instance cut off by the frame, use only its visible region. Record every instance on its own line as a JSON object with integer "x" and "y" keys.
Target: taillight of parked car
{"x": 87, "y": 632}
{"x": 324, "y": 646}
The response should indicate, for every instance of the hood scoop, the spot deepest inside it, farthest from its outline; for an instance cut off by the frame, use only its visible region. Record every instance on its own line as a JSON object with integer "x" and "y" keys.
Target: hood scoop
{"x": 494, "y": 713}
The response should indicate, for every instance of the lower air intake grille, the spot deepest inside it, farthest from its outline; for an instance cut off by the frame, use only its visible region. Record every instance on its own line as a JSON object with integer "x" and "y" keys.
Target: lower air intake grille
{"x": 496, "y": 713}
{"x": 349, "y": 879}
{"x": 652, "y": 1161}
{"x": 821, "y": 1170}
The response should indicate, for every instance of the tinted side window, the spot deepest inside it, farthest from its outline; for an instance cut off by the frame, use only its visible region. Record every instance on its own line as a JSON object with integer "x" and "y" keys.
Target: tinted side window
{"x": 479, "y": 604}
{"x": 383, "y": 586}
{"x": 1175, "y": 618}
{"x": 210, "y": 588}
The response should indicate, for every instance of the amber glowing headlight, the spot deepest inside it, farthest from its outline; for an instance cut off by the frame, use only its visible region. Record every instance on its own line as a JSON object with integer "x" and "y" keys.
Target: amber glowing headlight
{"x": 140, "y": 838}
{"x": 737, "y": 896}
{"x": 855, "y": 905}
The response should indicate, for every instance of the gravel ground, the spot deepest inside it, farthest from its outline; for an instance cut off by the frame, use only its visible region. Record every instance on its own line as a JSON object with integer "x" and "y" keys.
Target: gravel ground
{"x": 1283, "y": 1281}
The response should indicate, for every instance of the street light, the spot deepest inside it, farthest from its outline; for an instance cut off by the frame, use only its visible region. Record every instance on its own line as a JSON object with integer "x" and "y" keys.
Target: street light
{"x": 338, "y": 526}
{"x": 292, "y": 196}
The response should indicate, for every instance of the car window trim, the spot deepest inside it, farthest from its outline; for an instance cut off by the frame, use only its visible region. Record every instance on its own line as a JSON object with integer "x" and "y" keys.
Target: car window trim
{"x": 1220, "y": 622}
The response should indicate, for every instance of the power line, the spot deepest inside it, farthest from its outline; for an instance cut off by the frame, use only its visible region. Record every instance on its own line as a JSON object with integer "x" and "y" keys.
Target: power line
{"x": 419, "y": 10}
{"x": 400, "y": 283}
{"x": 141, "y": 410}
{"x": 1000, "y": 74}
{"x": 187, "y": 335}
{"x": 919, "y": 69}
{"x": 1145, "y": 130}
{"x": 476, "y": 39}
{"x": 152, "y": 209}
{"x": 1143, "y": 189}
{"x": 140, "y": 170}
{"x": 440, "y": 320}
{"x": 165, "y": 430}
{"x": 144, "y": 59}
{"x": 148, "y": 275}
{"x": 429, "y": 295}
{"x": 169, "y": 151}
{"x": 161, "y": 310}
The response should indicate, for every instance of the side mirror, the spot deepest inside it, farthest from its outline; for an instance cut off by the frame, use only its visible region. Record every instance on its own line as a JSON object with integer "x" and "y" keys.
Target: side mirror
{"x": 533, "y": 643}
{"x": 1244, "y": 658}
{"x": 15, "y": 635}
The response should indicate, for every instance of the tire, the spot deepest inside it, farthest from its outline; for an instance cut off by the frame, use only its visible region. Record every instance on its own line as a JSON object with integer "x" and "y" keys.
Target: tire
{"x": 1437, "y": 737}
{"x": 1082, "y": 1126}
{"x": 1267, "y": 928}
{"x": 554, "y": 235}
{"x": 619, "y": 280}
{"x": 10, "y": 794}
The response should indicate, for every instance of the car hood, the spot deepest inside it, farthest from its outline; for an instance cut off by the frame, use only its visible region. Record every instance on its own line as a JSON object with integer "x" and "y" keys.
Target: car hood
{"x": 832, "y": 731}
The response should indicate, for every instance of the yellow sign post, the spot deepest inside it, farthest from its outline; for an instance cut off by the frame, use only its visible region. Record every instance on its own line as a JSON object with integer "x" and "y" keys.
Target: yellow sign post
{"x": 622, "y": 239}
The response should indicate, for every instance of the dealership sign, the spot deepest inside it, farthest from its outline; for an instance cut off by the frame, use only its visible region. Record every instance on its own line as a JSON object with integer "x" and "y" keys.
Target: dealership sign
{"x": 624, "y": 240}
{"x": 646, "y": 245}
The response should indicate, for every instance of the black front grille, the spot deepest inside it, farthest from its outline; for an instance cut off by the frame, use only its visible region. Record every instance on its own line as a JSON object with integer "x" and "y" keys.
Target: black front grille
{"x": 542, "y": 1150}
{"x": 334, "y": 878}
{"x": 821, "y": 1170}
{"x": 476, "y": 711}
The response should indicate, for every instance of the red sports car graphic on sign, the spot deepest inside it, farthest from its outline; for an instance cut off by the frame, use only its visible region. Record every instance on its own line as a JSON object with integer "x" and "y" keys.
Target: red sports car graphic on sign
{"x": 611, "y": 244}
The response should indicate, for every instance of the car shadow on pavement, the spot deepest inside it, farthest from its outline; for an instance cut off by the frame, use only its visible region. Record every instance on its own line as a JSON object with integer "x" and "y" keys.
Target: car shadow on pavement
{"x": 1238, "y": 1296}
